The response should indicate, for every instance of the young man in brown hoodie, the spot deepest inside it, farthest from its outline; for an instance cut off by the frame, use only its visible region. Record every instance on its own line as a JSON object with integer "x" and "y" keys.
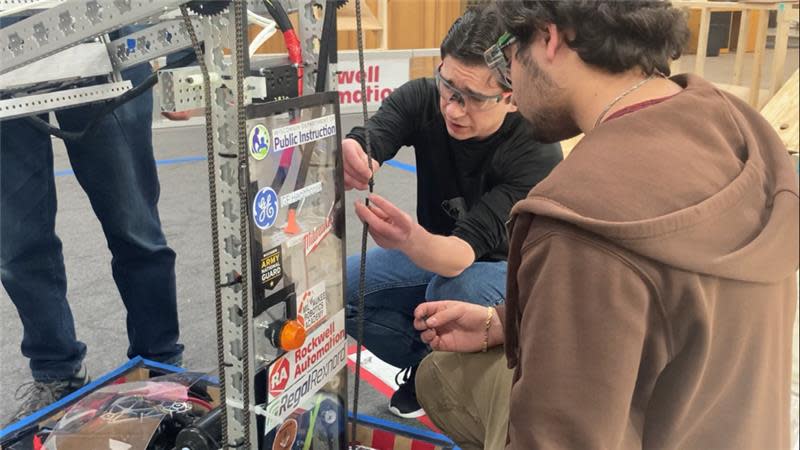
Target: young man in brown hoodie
{"x": 651, "y": 276}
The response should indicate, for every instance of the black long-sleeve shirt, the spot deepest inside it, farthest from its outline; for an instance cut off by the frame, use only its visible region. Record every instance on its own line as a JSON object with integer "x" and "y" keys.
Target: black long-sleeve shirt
{"x": 464, "y": 188}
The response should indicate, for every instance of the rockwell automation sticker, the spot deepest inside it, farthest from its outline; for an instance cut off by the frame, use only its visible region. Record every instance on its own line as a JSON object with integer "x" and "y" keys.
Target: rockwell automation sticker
{"x": 295, "y": 377}
{"x": 271, "y": 268}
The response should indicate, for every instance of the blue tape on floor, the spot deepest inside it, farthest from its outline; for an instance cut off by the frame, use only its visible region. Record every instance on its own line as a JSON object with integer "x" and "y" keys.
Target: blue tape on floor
{"x": 402, "y": 166}
{"x": 188, "y": 159}
{"x": 160, "y": 162}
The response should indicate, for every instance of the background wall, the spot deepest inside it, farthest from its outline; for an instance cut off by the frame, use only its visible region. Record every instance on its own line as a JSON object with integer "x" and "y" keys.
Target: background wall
{"x": 412, "y": 24}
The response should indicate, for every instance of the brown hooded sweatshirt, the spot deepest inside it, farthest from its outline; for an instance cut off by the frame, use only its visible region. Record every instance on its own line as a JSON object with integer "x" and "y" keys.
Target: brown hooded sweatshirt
{"x": 652, "y": 285}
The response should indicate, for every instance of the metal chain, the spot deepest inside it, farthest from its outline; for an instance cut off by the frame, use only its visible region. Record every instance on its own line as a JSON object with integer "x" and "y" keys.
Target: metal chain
{"x": 212, "y": 193}
{"x": 365, "y": 229}
{"x": 240, "y": 27}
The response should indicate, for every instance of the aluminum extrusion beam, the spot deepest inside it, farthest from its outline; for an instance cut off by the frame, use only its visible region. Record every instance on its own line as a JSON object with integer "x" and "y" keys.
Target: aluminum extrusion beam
{"x": 52, "y": 101}
{"x": 151, "y": 43}
{"x": 68, "y": 24}
{"x": 81, "y": 61}
{"x": 12, "y": 7}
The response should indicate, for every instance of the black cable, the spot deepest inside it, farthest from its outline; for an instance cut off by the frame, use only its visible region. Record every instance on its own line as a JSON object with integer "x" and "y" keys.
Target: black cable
{"x": 108, "y": 107}
{"x": 279, "y": 14}
{"x": 365, "y": 229}
{"x": 327, "y": 42}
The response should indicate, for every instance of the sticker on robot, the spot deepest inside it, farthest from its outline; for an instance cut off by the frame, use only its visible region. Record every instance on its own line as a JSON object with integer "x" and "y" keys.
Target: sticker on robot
{"x": 258, "y": 140}
{"x": 265, "y": 208}
{"x": 296, "y": 196}
{"x": 271, "y": 266}
{"x": 278, "y": 376}
{"x": 285, "y": 436}
{"x": 313, "y": 238}
{"x": 298, "y": 375}
{"x": 313, "y": 306}
{"x": 303, "y": 133}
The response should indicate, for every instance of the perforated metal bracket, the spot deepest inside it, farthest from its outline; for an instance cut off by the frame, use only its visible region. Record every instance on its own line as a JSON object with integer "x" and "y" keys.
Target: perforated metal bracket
{"x": 13, "y": 6}
{"x": 52, "y": 101}
{"x": 82, "y": 61}
{"x": 182, "y": 89}
{"x": 150, "y": 43}
{"x": 68, "y": 24}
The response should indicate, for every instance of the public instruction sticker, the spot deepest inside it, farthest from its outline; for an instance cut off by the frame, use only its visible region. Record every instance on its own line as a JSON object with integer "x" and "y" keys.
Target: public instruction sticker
{"x": 259, "y": 142}
{"x": 303, "y": 133}
{"x": 271, "y": 268}
{"x": 265, "y": 208}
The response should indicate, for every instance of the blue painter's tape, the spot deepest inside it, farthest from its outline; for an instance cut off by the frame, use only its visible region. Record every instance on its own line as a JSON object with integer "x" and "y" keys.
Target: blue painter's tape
{"x": 402, "y": 166}
{"x": 160, "y": 162}
{"x": 403, "y": 429}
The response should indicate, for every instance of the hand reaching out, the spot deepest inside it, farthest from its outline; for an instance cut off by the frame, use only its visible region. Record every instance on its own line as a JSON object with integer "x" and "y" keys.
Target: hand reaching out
{"x": 455, "y": 326}
{"x": 356, "y": 171}
{"x": 390, "y": 226}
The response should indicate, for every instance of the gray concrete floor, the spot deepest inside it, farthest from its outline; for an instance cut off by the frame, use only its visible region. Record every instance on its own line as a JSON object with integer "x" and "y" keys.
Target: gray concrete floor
{"x": 96, "y": 305}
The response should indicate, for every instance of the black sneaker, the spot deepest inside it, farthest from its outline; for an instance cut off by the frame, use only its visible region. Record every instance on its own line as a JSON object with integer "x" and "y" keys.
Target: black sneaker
{"x": 404, "y": 400}
{"x": 35, "y": 395}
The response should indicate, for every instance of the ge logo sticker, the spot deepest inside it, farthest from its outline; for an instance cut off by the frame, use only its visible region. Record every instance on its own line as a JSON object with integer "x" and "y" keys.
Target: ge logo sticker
{"x": 265, "y": 208}
{"x": 259, "y": 142}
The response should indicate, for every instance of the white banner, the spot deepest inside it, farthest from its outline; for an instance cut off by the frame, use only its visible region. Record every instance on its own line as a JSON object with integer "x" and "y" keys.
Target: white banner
{"x": 382, "y": 77}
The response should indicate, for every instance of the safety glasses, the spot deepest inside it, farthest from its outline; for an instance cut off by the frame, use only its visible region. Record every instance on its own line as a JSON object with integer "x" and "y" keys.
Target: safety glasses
{"x": 470, "y": 101}
{"x": 498, "y": 61}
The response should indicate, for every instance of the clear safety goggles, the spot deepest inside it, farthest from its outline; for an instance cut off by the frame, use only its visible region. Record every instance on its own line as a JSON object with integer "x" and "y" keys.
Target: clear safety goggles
{"x": 498, "y": 61}
{"x": 470, "y": 101}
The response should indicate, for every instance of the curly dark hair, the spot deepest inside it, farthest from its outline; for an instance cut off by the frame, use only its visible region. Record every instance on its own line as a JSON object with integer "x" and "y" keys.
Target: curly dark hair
{"x": 614, "y": 35}
{"x": 471, "y": 34}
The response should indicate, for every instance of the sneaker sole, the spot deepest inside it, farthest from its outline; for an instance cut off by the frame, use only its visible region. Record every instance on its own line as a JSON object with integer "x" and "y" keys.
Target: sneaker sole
{"x": 408, "y": 415}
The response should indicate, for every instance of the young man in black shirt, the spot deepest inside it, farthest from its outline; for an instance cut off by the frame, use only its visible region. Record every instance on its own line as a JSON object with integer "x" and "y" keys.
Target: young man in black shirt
{"x": 476, "y": 156}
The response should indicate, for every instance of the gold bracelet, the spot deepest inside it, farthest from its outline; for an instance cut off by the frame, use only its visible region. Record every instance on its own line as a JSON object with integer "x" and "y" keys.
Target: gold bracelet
{"x": 489, "y": 314}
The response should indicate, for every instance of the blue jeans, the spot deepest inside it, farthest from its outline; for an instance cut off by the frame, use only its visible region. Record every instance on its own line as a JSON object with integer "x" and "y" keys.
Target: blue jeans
{"x": 395, "y": 286}
{"x": 116, "y": 168}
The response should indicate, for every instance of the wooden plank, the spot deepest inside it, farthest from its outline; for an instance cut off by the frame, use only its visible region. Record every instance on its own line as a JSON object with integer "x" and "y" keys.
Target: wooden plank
{"x": 781, "y": 48}
{"x": 702, "y": 43}
{"x": 758, "y": 60}
{"x": 782, "y": 113}
{"x": 346, "y": 17}
{"x": 741, "y": 48}
{"x": 383, "y": 16}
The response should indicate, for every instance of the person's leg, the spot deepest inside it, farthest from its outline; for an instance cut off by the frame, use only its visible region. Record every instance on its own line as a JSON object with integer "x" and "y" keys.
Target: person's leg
{"x": 31, "y": 262}
{"x": 394, "y": 286}
{"x": 32, "y": 267}
{"x": 483, "y": 283}
{"x": 116, "y": 167}
{"x": 467, "y": 396}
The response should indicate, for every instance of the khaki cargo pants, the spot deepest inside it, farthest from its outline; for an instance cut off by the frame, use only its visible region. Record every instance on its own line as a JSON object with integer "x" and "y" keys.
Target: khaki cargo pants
{"x": 467, "y": 396}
